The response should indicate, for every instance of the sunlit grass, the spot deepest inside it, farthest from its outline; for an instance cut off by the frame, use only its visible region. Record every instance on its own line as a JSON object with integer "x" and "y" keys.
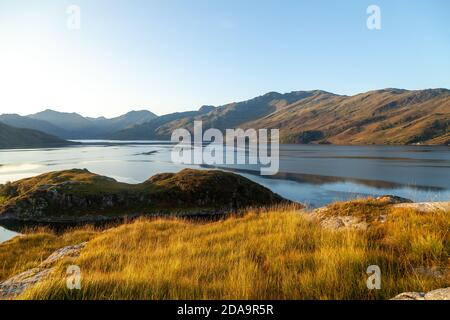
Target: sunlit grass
{"x": 25, "y": 252}
{"x": 266, "y": 255}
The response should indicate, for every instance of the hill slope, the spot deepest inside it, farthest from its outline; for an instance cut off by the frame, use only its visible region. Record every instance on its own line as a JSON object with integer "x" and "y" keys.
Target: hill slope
{"x": 11, "y": 137}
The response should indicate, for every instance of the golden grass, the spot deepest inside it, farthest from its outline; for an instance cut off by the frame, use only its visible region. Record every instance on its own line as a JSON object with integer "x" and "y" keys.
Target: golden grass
{"x": 271, "y": 255}
{"x": 25, "y": 252}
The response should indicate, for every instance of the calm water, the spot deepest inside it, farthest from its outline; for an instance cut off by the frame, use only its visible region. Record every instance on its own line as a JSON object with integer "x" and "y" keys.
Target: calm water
{"x": 315, "y": 175}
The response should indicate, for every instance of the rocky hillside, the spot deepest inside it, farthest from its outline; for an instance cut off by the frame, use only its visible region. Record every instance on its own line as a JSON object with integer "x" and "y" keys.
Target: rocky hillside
{"x": 76, "y": 193}
{"x": 11, "y": 137}
{"x": 390, "y": 116}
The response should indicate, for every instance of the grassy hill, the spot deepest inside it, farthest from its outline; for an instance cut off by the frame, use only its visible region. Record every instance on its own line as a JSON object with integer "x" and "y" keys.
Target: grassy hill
{"x": 11, "y": 137}
{"x": 268, "y": 254}
{"x": 77, "y": 193}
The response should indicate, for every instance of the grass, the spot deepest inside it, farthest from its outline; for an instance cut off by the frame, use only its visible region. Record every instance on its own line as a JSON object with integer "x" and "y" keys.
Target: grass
{"x": 277, "y": 254}
{"x": 28, "y": 251}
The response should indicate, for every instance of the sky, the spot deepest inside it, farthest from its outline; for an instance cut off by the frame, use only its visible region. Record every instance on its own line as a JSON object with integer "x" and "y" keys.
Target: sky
{"x": 177, "y": 55}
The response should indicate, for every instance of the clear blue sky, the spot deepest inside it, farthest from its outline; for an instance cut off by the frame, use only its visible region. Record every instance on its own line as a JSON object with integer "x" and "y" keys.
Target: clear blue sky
{"x": 171, "y": 56}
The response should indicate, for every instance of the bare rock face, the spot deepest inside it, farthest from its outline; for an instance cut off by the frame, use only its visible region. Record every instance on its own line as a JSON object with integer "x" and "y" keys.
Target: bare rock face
{"x": 439, "y": 294}
{"x": 16, "y": 285}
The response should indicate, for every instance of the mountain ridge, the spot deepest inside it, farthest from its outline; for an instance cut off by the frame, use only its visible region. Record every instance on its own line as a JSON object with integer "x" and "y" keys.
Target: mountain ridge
{"x": 384, "y": 116}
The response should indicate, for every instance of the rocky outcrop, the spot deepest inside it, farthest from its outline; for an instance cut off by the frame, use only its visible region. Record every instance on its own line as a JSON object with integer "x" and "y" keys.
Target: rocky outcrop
{"x": 439, "y": 294}
{"x": 14, "y": 286}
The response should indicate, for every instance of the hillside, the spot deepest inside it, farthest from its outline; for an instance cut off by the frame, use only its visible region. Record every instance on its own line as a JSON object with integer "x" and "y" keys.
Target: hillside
{"x": 268, "y": 254}
{"x": 11, "y": 137}
{"x": 80, "y": 193}
{"x": 390, "y": 116}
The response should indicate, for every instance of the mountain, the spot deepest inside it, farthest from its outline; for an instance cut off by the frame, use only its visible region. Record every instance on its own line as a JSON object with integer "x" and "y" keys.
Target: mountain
{"x": 11, "y": 137}
{"x": 389, "y": 116}
{"x": 75, "y": 126}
